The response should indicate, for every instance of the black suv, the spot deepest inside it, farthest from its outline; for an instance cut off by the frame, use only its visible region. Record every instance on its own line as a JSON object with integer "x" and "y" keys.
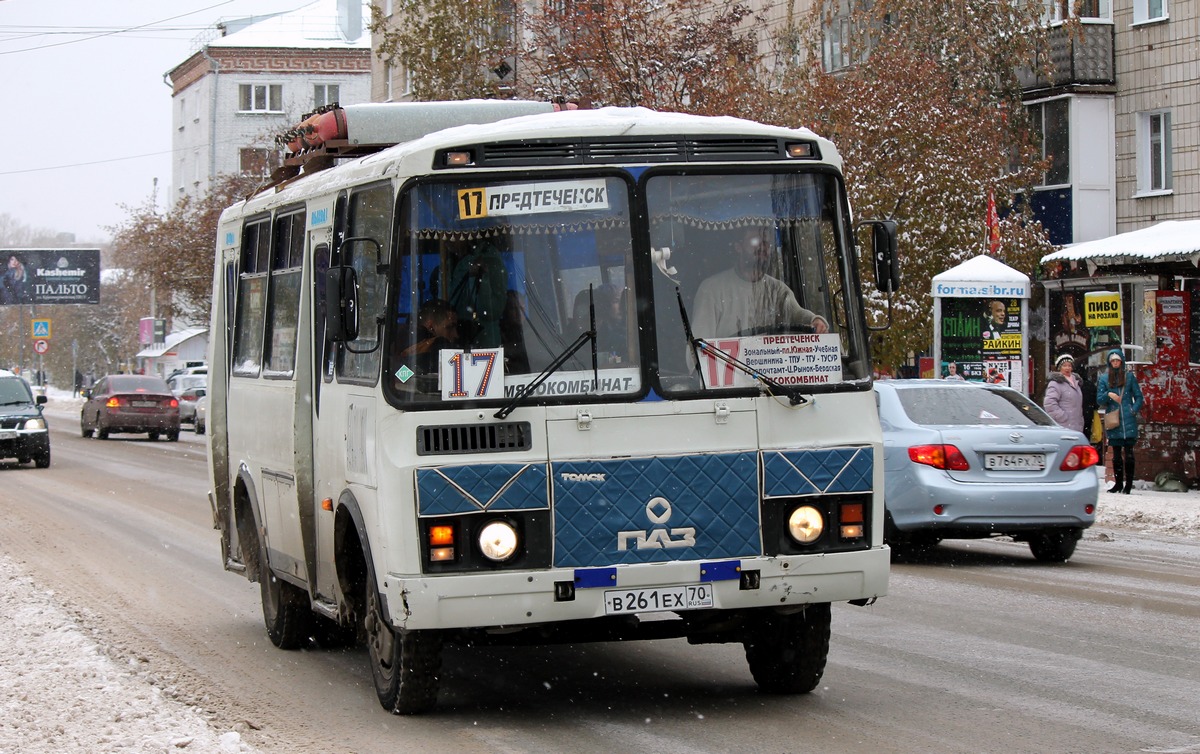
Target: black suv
{"x": 23, "y": 433}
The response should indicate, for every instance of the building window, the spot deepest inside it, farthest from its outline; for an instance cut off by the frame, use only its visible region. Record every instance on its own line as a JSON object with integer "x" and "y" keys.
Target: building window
{"x": 388, "y": 72}
{"x": 1154, "y": 152}
{"x": 326, "y": 94}
{"x": 835, "y": 46}
{"x": 1052, "y": 123}
{"x": 257, "y": 161}
{"x": 260, "y": 98}
{"x": 1149, "y": 10}
{"x": 1095, "y": 9}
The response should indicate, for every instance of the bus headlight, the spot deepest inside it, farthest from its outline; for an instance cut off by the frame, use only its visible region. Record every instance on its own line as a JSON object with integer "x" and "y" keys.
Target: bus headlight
{"x": 498, "y": 541}
{"x": 806, "y": 524}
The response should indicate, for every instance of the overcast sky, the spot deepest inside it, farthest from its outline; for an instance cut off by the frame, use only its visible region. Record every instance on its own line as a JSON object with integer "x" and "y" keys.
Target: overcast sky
{"x": 87, "y": 113}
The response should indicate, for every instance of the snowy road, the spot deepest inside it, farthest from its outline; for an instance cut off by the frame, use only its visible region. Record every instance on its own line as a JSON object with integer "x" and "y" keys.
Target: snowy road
{"x": 977, "y": 648}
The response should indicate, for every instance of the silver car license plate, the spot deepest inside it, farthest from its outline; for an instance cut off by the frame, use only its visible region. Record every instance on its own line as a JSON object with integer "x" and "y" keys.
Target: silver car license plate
{"x": 1014, "y": 461}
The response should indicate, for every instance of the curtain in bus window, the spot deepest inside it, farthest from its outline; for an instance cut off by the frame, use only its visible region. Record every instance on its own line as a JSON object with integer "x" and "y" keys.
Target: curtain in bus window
{"x": 250, "y": 306}
{"x": 369, "y": 217}
{"x": 283, "y": 306}
{"x": 517, "y": 265}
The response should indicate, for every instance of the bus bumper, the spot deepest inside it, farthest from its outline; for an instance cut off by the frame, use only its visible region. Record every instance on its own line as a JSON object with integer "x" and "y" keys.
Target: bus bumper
{"x": 519, "y": 598}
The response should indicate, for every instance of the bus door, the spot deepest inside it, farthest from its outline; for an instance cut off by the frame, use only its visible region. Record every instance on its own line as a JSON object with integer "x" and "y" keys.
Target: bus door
{"x": 345, "y": 375}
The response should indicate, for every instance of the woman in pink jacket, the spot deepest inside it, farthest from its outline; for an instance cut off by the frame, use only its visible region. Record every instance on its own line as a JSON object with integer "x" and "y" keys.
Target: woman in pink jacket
{"x": 1064, "y": 394}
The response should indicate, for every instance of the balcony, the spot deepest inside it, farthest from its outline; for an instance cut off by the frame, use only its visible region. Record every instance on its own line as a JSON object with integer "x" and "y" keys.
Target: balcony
{"x": 1082, "y": 59}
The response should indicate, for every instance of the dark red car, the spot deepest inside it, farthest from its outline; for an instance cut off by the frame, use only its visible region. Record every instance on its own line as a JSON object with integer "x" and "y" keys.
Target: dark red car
{"x": 130, "y": 403}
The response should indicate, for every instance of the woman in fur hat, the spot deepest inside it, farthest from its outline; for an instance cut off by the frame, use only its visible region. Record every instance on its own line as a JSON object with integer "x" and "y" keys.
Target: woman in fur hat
{"x": 1118, "y": 391}
{"x": 1064, "y": 394}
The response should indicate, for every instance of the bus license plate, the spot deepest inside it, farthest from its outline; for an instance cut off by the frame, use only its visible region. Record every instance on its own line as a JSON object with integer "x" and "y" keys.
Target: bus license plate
{"x": 618, "y": 601}
{"x": 1014, "y": 461}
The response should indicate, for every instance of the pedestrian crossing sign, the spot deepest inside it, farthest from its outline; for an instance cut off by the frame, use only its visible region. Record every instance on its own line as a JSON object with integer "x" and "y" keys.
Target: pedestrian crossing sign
{"x": 41, "y": 328}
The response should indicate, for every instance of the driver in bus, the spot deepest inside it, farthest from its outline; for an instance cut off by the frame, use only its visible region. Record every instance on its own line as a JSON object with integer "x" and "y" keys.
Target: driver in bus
{"x": 437, "y": 321}
{"x": 745, "y": 300}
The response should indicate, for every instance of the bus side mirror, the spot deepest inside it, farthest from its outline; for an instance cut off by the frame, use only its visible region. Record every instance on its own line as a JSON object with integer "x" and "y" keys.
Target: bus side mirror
{"x": 341, "y": 309}
{"x": 884, "y": 254}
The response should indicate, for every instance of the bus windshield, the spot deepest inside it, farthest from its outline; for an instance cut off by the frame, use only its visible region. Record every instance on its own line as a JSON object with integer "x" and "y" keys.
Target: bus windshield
{"x": 497, "y": 280}
{"x": 759, "y": 265}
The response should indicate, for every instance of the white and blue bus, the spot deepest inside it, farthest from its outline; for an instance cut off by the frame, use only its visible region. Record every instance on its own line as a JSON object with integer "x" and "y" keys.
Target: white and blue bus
{"x": 488, "y": 371}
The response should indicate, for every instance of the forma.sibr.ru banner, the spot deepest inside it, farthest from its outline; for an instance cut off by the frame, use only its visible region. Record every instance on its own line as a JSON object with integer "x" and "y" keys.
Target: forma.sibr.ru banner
{"x": 50, "y": 276}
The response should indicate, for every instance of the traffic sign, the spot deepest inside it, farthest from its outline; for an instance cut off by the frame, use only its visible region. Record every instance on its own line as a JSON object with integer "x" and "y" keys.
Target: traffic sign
{"x": 41, "y": 328}
{"x": 41, "y": 345}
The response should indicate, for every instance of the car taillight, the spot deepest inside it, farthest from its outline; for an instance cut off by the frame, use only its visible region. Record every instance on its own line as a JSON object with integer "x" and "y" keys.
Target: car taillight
{"x": 174, "y": 403}
{"x": 112, "y": 403}
{"x": 1080, "y": 457}
{"x": 946, "y": 457}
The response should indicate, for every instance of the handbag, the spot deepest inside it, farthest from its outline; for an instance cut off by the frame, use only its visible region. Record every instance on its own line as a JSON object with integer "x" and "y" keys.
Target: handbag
{"x": 1096, "y": 433}
{"x": 1112, "y": 419}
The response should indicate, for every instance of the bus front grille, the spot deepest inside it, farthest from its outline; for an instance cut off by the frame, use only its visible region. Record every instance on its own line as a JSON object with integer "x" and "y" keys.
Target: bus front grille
{"x": 454, "y": 439}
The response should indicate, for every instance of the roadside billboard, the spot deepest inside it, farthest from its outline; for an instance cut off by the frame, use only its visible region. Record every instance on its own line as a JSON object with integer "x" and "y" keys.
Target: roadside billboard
{"x": 49, "y": 276}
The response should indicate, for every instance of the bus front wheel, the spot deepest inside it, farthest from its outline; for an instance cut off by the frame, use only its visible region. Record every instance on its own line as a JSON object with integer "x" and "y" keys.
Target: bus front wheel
{"x": 787, "y": 651}
{"x": 404, "y": 664}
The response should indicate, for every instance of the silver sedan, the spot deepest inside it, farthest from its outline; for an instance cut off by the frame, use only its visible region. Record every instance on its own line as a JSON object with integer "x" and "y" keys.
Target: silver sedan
{"x": 966, "y": 460}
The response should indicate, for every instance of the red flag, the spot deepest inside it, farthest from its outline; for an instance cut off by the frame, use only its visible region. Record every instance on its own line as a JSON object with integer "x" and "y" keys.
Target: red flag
{"x": 993, "y": 224}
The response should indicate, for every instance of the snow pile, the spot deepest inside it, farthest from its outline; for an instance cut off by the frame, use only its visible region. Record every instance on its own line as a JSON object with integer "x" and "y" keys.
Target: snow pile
{"x": 1147, "y": 509}
{"x": 60, "y": 692}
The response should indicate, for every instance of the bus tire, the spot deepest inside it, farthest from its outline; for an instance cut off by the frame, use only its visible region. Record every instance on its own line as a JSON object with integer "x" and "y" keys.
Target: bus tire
{"x": 404, "y": 664}
{"x": 787, "y": 652}
{"x": 286, "y": 612}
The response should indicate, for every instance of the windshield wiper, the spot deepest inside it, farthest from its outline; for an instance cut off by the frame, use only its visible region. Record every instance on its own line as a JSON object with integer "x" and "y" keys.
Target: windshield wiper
{"x": 766, "y": 384}
{"x": 528, "y": 388}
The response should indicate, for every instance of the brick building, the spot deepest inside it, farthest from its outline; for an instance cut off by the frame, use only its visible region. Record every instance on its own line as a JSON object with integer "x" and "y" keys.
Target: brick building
{"x": 257, "y": 76}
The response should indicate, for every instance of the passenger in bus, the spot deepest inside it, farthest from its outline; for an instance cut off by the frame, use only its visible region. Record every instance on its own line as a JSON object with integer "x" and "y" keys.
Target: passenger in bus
{"x": 745, "y": 299}
{"x": 437, "y": 324}
{"x": 479, "y": 293}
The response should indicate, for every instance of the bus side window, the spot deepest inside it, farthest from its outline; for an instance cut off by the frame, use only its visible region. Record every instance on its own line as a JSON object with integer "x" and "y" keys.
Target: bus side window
{"x": 283, "y": 299}
{"x": 250, "y": 307}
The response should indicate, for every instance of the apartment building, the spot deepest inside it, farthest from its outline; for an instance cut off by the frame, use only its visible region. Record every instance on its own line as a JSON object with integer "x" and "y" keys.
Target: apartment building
{"x": 251, "y": 78}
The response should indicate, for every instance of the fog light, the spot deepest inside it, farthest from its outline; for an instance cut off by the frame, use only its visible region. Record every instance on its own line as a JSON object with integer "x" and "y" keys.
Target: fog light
{"x": 806, "y": 524}
{"x": 498, "y": 541}
{"x": 441, "y": 554}
{"x": 852, "y": 532}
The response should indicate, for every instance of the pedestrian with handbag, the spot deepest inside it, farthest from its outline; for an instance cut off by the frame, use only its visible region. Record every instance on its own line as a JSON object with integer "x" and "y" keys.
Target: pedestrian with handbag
{"x": 1120, "y": 398}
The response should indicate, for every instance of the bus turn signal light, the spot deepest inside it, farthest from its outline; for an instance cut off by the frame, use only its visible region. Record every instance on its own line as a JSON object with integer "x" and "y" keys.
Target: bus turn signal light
{"x": 441, "y": 542}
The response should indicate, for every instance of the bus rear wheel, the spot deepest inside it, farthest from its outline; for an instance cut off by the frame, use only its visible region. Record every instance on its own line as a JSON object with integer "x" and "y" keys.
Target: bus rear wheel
{"x": 286, "y": 612}
{"x": 404, "y": 664}
{"x": 787, "y": 652}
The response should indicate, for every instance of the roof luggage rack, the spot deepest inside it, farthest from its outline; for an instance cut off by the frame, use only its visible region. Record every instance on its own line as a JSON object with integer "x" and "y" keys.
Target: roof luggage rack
{"x": 333, "y": 132}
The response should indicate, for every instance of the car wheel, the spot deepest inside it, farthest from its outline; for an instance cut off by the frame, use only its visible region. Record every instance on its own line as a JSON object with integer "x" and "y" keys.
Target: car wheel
{"x": 1054, "y": 546}
{"x": 153, "y": 436}
{"x": 42, "y": 461}
{"x": 101, "y": 430}
{"x": 404, "y": 664}
{"x": 199, "y": 428}
{"x": 23, "y": 460}
{"x": 787, "y": 652}
{"x": 173, "y": 436}
{"x": 286, "y": 612}
{"x": 84, "y": 429}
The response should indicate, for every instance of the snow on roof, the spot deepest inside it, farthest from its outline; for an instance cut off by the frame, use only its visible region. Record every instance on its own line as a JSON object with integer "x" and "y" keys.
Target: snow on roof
{"x": 980, "y": 276}
{"x": 312, "y": 26}
{"x": 171, "y": 341}
{"x": 1168, "y": 241}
